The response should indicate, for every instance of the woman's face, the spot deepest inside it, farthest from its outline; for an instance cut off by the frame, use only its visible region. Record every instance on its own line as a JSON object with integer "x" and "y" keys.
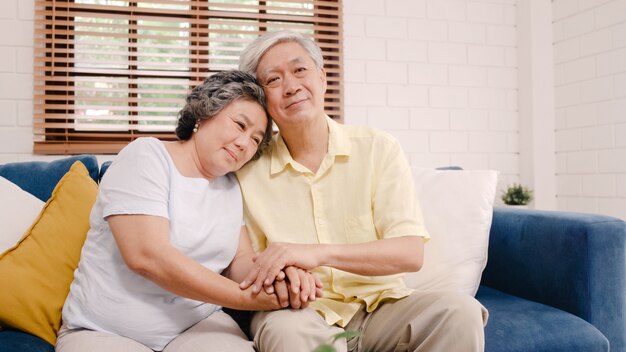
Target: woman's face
{"x": 230, "y": 139}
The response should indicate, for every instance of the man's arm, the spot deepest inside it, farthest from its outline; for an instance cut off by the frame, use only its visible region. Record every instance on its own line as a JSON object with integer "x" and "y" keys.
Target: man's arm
{"x": 396, "y": 216}
{"x": 376, "y": 258}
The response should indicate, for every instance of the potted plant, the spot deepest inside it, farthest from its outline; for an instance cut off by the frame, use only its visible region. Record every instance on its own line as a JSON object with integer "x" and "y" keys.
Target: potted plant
{"x": 517, "y": 195}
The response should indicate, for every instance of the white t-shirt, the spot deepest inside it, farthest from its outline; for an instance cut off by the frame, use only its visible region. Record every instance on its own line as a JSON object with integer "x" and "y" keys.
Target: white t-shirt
{"x": 205, "y": 219}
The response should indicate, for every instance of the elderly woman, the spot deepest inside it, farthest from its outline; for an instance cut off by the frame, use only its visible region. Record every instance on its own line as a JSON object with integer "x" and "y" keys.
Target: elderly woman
{"x": 166, "y": 238}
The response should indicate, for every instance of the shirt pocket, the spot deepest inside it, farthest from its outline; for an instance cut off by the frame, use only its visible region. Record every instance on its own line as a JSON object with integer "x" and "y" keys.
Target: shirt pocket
{"x": 360, "y": 229}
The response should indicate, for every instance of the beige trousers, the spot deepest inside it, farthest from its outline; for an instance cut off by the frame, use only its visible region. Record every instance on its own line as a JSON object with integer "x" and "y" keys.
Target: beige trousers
{"x": 217, "y": 333}
{"x": 424, "y": 321}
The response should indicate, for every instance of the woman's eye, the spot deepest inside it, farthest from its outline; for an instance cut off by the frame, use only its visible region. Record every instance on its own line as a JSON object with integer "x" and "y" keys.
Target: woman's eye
{"x": 256, "y": 141}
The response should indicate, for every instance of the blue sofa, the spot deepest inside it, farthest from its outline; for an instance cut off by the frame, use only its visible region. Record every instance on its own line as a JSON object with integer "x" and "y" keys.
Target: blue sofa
{"x": 554, "y": 281}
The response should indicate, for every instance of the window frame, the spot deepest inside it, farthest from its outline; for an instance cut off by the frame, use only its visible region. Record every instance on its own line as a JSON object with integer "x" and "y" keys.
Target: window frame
{"x": 57, "y": 79}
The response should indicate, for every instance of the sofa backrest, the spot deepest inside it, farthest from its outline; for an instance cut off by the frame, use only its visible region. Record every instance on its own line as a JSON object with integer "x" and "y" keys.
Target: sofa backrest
{"x": 40, "y": 177}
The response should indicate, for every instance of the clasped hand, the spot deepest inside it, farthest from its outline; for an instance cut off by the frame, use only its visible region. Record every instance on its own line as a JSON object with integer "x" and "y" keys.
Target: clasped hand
{"x": 283, "y": 269}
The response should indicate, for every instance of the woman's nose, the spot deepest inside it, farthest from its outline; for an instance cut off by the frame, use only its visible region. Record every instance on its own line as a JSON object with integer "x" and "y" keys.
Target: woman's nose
{"x": 242, "y": 141}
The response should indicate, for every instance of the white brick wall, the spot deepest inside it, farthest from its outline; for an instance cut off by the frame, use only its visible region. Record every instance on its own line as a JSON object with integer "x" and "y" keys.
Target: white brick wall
{"x": 442, "y": 76}
{"x": 445, "y": 69}
{"x": 590, "y": 79}
{"x": 16, "y": 79}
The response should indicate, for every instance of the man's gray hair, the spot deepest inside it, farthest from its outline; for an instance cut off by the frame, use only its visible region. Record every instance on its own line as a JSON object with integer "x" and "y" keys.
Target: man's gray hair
{"x": 249, "y": 58}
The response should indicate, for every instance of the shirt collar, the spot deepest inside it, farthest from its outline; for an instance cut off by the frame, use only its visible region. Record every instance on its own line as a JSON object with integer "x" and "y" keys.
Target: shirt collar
{"x": 338, "y": 144}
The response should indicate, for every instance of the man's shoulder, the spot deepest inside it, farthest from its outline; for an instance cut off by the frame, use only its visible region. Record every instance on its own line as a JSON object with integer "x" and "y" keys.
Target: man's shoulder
{"x": 368, "y": 135}
{"x": 256, "y": 166}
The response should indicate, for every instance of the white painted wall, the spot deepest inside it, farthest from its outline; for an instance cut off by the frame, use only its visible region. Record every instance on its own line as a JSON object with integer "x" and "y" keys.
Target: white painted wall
{"x": 440, "y": 75}
{"x": 590, "y": 86}
{"x": 446, "y": 77}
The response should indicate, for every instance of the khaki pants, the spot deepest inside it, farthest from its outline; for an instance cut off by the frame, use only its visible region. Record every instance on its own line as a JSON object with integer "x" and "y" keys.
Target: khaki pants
{"x": 424, "y": 321}
{"x": 217, "y": 333}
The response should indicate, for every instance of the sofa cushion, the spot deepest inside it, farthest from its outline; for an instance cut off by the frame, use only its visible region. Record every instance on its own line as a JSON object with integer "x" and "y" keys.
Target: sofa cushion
{"x": 17, "y": 341}
{"x": 519, "y": 325}
{"x": 18, "y": 210}
{"x": 457, "y": 206}
{"x": 40, "y": 177}
{"x": 35, "y": 275}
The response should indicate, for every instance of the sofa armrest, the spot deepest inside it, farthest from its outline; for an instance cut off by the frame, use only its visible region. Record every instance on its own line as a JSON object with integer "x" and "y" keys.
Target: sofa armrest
{"x": 571, "y": 261}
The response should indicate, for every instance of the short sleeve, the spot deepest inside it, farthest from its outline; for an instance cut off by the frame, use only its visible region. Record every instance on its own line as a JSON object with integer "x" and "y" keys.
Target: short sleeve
{"x": 395, "y": 207}
{"x": 257, "y": 237}
{"x": 137, "y": 182}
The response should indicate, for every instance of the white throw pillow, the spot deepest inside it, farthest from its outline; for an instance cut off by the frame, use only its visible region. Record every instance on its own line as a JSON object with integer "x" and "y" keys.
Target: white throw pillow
{"x": 18, "y": 210}
{"x": 458, "y": 207}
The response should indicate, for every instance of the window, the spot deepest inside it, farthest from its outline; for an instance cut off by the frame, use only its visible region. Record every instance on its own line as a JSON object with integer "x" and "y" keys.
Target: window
{"x": 108, "y": 71}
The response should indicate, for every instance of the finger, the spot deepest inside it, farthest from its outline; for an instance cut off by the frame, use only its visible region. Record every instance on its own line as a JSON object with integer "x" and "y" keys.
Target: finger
{"x": 304, "y": 285}
{"x": 311, "y": 287}
{"x": 258, "y": 274}
{"x": 249, "y": 279}
{"x": 294, "y": 279}
{"x": 318, "y": 282}
{"x": 261, "y": 278}
{"x": 270, "y": 288}
{"x": 294, "y": 300}
{"x": 292, "y": 275}
{"x": 281, "y": 276}
{"x": 282, "y": 292}
{"x": 272, "y": 273}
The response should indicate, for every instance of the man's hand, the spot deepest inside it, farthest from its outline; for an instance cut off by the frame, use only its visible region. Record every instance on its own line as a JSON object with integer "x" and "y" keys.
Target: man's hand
{"x": 269, "y": 264}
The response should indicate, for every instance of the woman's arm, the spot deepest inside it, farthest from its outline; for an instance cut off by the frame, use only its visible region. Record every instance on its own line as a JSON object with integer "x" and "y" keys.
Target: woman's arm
{"x": 143, "y": 241}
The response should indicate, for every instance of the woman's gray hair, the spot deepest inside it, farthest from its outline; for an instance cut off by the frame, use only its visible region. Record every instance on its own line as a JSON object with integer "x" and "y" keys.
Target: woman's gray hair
{"x": 250, "y": 56}
{"x": 214, "y": 94}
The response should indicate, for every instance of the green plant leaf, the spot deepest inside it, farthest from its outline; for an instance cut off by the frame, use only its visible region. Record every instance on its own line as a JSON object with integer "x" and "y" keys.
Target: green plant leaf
{"x": 516, "y": 194}
{"x": 348, "y": 334}
{"x": 325, "y": 348}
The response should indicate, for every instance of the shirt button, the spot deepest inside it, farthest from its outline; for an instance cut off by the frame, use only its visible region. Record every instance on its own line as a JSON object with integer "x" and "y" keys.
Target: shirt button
{"x": 320, "y": 222}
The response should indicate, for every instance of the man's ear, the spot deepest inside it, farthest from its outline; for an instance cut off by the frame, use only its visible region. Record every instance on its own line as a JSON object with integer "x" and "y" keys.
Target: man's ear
{"x": 323, "y": 78}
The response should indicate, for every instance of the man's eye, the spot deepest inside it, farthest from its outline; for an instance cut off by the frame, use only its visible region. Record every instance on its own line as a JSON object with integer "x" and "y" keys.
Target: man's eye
{"x": 241, "y": 124}
{"x": 272, "y": 82}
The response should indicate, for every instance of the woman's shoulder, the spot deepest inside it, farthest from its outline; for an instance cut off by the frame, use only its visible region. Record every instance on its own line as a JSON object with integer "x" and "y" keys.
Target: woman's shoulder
{"x": 146, "y": 142}
{"x": 144, "y": 146}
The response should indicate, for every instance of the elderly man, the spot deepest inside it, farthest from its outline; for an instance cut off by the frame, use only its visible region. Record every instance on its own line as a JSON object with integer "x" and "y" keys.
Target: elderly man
{"x": 339, "y": 200}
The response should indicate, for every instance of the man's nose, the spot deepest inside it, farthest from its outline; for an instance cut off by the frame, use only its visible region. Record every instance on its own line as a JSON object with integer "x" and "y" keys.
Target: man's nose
{"x": 291, "y": 84}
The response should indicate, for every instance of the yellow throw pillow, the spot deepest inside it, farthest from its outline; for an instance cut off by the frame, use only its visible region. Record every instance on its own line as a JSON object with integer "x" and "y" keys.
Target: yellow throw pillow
{"x": 35, "y": 275}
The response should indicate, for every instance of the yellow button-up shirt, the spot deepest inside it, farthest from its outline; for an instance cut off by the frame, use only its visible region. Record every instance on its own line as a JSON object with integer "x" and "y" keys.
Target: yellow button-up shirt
{"x": 363, "y": 191}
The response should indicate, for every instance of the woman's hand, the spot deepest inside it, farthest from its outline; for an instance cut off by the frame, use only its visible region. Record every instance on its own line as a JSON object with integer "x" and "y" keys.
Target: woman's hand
{"x": 259, "y": 301}
{"x": 298, "y": 289}
{"x": 277, "y": 256}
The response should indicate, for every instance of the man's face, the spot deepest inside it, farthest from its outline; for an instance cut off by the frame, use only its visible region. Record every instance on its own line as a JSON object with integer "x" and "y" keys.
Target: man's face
{"x": 293, "y": 86}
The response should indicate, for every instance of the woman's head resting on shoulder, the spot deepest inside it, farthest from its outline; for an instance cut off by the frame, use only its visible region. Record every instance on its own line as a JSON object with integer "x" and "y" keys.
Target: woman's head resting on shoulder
{"x": 226, "y": 113}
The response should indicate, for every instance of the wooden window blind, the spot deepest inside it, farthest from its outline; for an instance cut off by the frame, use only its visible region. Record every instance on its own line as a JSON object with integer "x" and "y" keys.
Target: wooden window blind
{"x": 107, "y": 72}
